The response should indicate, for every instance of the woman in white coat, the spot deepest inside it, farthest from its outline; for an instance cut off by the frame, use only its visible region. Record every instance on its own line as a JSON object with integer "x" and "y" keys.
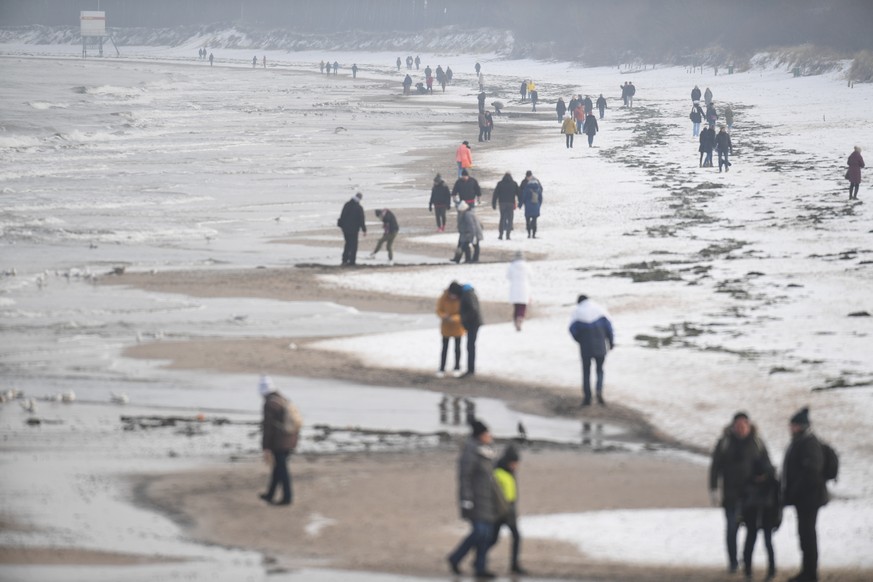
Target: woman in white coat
{"x": 519, "y": 288}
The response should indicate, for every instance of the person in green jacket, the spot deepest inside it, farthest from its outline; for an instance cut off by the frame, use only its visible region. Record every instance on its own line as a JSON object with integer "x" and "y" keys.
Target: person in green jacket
{"x": 504, "y": 476}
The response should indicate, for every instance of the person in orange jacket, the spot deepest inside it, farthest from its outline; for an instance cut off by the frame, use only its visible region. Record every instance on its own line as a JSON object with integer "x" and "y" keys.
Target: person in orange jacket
{"x": 464, "y": 157}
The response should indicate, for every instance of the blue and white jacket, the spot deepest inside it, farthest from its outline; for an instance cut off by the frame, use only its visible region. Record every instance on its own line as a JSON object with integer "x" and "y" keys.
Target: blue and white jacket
{"x": 591, "y": 327}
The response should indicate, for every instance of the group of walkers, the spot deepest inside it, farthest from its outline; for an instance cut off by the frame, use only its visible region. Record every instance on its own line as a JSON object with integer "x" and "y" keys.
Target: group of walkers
{"x": 627, "y": 93}
{"x": 754, "y": 495}
{"x": 326, "y": 67}
{"x": 708, "y": 139}
{"x": 577, "y": 117}
{"x": 442, "y": 77}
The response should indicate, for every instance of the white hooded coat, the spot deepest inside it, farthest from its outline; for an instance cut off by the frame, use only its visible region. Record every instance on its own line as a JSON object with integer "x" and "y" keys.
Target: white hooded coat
{"x": 519, "y": 282}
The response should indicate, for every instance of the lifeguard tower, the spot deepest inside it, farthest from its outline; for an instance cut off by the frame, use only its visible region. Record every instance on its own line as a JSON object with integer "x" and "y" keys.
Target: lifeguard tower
{"x": 93, "y": 31}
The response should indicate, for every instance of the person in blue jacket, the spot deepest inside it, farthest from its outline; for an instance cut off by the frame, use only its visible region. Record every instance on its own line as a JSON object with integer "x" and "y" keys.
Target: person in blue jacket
{"x": 591, "y": 328}
{"x": 532, "y": 200}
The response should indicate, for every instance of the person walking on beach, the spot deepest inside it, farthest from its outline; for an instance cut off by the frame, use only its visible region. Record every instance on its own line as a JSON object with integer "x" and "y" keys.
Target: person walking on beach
{"x": 321, "y": 67}
{"x": 624, "y": 90}
{"x": 523, "y": 91}
{"x": 354, "y": 70}
{"x": 631, "y": 91}
{"x": 592, "y": 330}
{"x": 440, "y": 200}
{"x": 464, "y": 158}
{"x": 351, "y": 221}
{"x": 587, "y": 105}
{"x": 264, "y": 61}
{"x": 560, "y": 109}
{"x": 729, "y": 118}
{"x": 853, "y": 174}
{"x": 390, "y": 228}
{"x": 482, "y": 121}
{"x": 254, "y": 61}
{"x": 696, "y": 117}
{"x": 724, "y": 147}
{"x": 466, "y": 189}
{"x": 534, "y": 96}
{"x": 707, "y": 97}
{"x": 489, "y": 124}
{"x": 590, "y": 128}
{"x": 601, "y": 105}
{"x": 711, "y": 115}
{"x": 335, "y": 67}
{"x": 407, "y": 84}
{"x": 733, "y": 463}
{"x": 695, "y": 95}
{"x": 478, "y": 500}
{"x": 707, "y": 143}
{"x": 469, "y": 234}
{"x": 398, "y": 63}
{"x": 211, "y": 58}
{"x": 579, "y": 115}
{"x": 471, "y": 319}
{"x": 803, "y": 484}
{"x": 481, "y": 98}
{"x": 507, "y": 483}
{"x": 417, "y": 62}
{"x": 448, "y": 309}
{"x": 281, "y": 430}
{"x": 478, "y": 68}
{"x": 762, "y": 509}
{"x": 568, "y": 128}
{"x": 519, "y": 288}
{"x": 449, "y": 74}
{"x": 505, "y": 195}
{"x": 532, "y": 200}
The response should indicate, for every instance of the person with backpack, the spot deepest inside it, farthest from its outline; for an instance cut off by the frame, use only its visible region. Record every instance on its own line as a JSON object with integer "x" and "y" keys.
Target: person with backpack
{"x": 808, "y": 464}
{"x": 532, "y": 200}
{"x": 733, "y": 463}
{"x": 281, "y": 430}
{"x": 507, "y": 485}
{"x": 696, "y": 117}
{"x": 724, "y": 147}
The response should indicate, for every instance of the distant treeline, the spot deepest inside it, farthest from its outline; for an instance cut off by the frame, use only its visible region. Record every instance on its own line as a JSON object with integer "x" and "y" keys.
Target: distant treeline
{"x": 596, "y": 31}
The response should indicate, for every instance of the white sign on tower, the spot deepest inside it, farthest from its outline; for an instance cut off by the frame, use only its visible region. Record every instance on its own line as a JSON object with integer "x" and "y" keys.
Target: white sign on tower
{"x": 93, "y": 23}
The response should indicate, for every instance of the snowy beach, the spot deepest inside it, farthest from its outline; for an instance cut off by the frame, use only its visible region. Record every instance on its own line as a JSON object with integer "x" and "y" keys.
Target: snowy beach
{"x": 168, "y": 232}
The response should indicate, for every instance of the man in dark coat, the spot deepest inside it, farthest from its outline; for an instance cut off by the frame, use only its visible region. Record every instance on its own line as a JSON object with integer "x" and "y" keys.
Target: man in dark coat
{"x": 477, "y": 494}
{"x": 561, "y": 109}
{"x": 471, "y": 319}
{"x": 588, "y": 105}
{"x": 440, "y": 200}
{"x": 505, "y": 194}
{"x": 523, "y": 90}
{"x": 467, "y": 189}
{"x": 853, "y": 174}
{"x": 481, "y": 97}
{"x": 407, "y": 84}
{"x": 733, "y": 462}
{"x": 707, "y": 142}
{"x": 351, "y": 221}
{"x": 601, "y": 105}
{"x": 695, "y": 95}
{"x": 803, "y": 484}
{"x": 724, "y": 147}
{"x": 590, "y": 128}
{"x": 279, "y": 439}
{"x": 592, "y": 330}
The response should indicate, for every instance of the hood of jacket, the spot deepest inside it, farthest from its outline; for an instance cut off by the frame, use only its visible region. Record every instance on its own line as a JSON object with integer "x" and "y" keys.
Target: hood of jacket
{"x": 588, "y": 312}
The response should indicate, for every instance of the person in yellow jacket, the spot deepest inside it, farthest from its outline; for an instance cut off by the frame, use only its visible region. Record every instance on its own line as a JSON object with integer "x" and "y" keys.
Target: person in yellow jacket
{"x": 448, "y": 309}
{"x": 568, "y": 128}
{"x": 504, "y": 476}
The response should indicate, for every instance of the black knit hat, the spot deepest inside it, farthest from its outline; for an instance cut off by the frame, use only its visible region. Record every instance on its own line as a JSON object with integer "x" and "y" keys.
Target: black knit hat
{"x": 801, "y": 418}
{"x": 479, "y": 428}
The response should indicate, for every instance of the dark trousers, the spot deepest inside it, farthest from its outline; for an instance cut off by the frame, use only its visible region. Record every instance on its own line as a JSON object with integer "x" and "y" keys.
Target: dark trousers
{"x": 853, "y": 190}
{"x": 507, "y": 211}
{"x": 531, "y": 224}
{"x": 602, "y": 110}
{"x": 806, "y": 519}
{"x": 723, "y": 160}
{"x": 480, "y": 538}
{"x": 590, "y": 139}
{"x": 586, "y": 375}
{"x": 732, "y": 518}
{"x": 445, "y": 353}
{"x": 752, "y": 517}
{"x": 440, "y": 213}
{"x": 569, "y": 140}
{"x": 350, "y": 250}
{"x": 516, "y": 540}
{"x": 281, "y": 476}
{"x": 471, "y": 348}
{"x": 482, "y": 130}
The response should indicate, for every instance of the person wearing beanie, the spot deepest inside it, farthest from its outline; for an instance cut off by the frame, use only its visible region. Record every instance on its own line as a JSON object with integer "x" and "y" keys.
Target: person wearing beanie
{"x": 351, "y": 221}
{"x": 505, "y": 476}
{"x": 467, "y": 189}
{"x": 531, "y": 200}
{"x": 803, "y": 484}
{"x": 390, "y": 228}
{"x": 478, "y": 500}
{"x": 448, "y": 309}
{"x": 440, "y": 200}
{"x": 592, "y": 330}
{"x": 281, "y": 430}
{"x": 733, "y": 464}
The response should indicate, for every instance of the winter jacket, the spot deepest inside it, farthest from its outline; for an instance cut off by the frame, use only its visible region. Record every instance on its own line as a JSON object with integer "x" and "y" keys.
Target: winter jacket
{"x": 471, "y": 315}
{"x": 707, "y": 96}
{"x": 448, "y": 309}
{"x": 569, "y": 126}
{"x": 275, "y": 438}
{"x": 469, "y": 227}
{"x": 532, "y": 197}
{"x": 763, "y": 496}
{"x": 571, "y": 107}
{"x": 856, "y": 162}
{"x": 711, "y": 114}
{"x": 506, "y": 192}
{"x": 733, "y": 460}
{"x": 483, "y": 121}
{"x": 507, "y": 489}
{"x": 803, "y": 482}
{"x": 695, "y": 94}
{"x": 696, "y": 114}
{"x": 476, "y": 487}
{"x": 729, "y": 116}
{"x": 601, "y": 102}
{"x": 465, "y": 156}
{"x": 440, "y": 195}
{"x": 591, "y": 329}
{"x": 588, "y": 105}
{"x": 707, "y": 140}
{"x": 467, "y": 190}
{"x": 561, "y": 108}
{"x": 723, "y": 142}
{"x": 590, "y": 126}
{"x": 389, "y": 222}
{"x": 579, "y": 113}
{"x": 519, "y": 282}
{"x": 352, "y": 217}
